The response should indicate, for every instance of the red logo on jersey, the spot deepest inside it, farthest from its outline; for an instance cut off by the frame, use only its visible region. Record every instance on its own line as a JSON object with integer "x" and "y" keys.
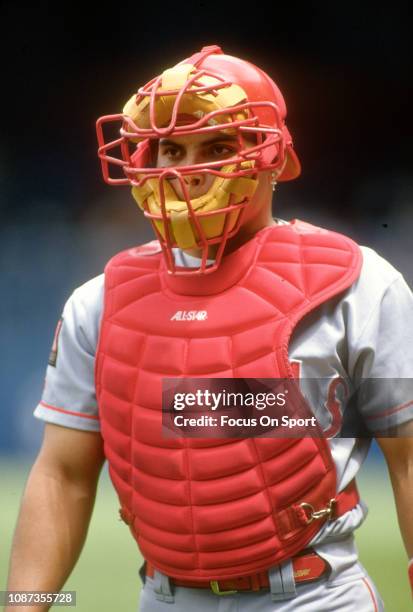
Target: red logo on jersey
{"x": 334, "y": 406}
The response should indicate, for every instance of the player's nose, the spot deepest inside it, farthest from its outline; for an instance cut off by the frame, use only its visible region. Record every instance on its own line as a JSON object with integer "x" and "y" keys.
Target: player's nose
{"x": 194, "y": 180}
{"x": 195, "y": 184}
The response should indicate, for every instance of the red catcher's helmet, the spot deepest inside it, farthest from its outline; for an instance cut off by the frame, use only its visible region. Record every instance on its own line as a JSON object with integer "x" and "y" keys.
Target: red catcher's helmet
{"x": 205, "y": 93}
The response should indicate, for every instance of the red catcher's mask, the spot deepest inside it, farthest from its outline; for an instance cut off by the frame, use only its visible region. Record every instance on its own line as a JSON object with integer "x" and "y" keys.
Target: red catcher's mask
{"x": 207, "y": 93}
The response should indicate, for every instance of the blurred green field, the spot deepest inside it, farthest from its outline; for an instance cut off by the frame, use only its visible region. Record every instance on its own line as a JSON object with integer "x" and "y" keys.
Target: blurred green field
{"x": 106, "y": 577}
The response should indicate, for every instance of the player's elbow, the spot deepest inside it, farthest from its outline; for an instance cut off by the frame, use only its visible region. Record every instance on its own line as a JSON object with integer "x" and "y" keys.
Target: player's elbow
{"x": 73, "y": 456}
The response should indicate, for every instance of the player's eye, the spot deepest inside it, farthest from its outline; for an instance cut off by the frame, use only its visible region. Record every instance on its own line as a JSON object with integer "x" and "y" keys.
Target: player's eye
{"x": 221, "y": 150}
{"x": 171, "y": 152}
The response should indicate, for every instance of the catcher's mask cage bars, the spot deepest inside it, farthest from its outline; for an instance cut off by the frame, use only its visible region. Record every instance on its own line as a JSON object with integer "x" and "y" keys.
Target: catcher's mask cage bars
{"x": 167, "y": 243}
{"x": 137, "y": 174}
{"x": 274, "y": 137}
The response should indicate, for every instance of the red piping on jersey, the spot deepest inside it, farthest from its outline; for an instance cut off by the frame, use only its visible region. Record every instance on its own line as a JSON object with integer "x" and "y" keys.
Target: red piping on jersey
{"x": 389, "y": 411}
{"x": 80, "y": 414}
{"x": 371, "y": 594}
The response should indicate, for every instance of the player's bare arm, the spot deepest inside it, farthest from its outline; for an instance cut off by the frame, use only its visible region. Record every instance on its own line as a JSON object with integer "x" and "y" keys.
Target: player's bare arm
{"x": 55, "y": 511}
{"x": 399, "y": 457}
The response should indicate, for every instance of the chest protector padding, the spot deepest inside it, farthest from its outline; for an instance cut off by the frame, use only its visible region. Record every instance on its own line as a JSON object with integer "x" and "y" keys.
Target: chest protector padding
{"x": 214, "y": 508}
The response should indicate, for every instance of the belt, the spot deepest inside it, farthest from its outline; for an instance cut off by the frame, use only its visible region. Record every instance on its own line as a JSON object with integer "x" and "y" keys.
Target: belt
{"x": 308, "y": 566}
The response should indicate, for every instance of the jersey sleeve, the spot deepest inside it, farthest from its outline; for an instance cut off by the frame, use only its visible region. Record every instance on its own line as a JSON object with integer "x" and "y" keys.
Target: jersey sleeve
{"x": 381, "y": 358}
{"x": 69, "y": 396}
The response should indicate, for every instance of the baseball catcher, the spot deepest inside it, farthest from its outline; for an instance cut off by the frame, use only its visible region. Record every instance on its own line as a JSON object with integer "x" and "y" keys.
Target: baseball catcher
{"x": 224, "y": 291}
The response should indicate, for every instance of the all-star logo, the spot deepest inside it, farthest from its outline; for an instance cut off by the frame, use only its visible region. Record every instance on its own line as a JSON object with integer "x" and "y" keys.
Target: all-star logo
{"x": 190, "y": 315}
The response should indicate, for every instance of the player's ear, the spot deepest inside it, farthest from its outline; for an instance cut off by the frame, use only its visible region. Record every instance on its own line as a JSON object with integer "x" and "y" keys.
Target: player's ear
{"x": 276, "y": 173}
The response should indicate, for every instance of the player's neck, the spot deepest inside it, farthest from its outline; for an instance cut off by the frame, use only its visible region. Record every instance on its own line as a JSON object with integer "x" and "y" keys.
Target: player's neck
{"x": 247, "y": 232}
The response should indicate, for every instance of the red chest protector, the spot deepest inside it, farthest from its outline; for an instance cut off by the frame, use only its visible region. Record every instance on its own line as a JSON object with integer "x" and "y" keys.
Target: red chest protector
{"x": 214, "y": 508}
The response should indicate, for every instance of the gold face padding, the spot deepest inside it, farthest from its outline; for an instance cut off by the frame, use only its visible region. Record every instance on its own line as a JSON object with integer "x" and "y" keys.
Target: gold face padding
{"x": 157, "y": 196}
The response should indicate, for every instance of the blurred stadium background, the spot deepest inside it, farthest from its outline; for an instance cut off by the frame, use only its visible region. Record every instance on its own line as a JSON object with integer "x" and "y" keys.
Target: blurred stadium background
{"x": 346, "y": 76}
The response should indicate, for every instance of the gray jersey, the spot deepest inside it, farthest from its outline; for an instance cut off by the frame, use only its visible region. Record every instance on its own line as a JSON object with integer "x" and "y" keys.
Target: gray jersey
{"x": 365, "y": 332}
